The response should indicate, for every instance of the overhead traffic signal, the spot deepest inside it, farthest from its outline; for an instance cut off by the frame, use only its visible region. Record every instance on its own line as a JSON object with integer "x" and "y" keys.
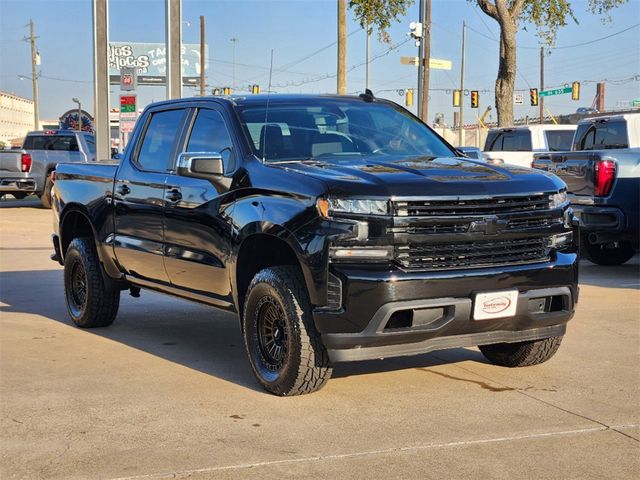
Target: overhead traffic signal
{"x": 575, "y": 91}
{"x": 533, "y": 96}
{"x": 456, "y": 98}
{"x": 475, "y": 98}
{"x": 408, "y": 98}
{"x": 215, "y": 91}
{"x": 255, "y": 89}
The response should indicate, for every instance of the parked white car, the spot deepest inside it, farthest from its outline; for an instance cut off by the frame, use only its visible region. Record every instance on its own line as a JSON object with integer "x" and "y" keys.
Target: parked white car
{"x": 516, "y": 145}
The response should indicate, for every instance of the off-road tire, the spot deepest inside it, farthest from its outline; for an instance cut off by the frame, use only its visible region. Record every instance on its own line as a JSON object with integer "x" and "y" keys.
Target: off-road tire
{"x": 522, "y": 354}
{"x": 100, "y": 305}
{"x": 305, "y": 365}
{"x": 45, "y": 198}
{"x": 607, "y": 254}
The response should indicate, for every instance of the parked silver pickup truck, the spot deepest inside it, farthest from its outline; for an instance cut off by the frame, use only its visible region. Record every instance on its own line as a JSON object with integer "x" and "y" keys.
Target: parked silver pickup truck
{"x": 28, "y": 171}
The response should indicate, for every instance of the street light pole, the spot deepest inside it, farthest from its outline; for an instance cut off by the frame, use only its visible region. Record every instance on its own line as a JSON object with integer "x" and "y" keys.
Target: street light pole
{"x": 75, "y": 100}
{"x": 234, "y": 40}
{"x": 34, "y": 76}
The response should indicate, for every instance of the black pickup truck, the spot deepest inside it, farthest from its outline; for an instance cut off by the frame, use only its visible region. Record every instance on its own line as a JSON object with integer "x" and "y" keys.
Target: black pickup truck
{"x": 337, "y": 228}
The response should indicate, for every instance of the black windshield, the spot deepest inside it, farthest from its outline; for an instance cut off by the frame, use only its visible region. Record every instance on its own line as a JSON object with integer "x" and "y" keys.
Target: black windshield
{"x": 329, "y": 127}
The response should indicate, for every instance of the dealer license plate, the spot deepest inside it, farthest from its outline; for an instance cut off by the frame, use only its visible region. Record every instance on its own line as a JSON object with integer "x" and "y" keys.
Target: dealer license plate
{"x": 495, "y": 305}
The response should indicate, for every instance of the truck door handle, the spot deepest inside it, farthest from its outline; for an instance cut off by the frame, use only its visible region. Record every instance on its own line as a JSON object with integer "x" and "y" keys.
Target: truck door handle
{"x": 123, "y": 189}
{"x": 173, "y": 195}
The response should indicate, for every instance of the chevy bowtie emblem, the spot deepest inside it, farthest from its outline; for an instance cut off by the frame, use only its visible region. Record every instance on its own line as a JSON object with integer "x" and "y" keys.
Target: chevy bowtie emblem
{"x": 489, "y": 225}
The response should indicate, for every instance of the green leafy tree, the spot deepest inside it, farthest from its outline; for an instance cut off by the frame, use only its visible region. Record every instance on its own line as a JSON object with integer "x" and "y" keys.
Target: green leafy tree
{"x": 547, "y": 16}
{"x": 370, "y": 13}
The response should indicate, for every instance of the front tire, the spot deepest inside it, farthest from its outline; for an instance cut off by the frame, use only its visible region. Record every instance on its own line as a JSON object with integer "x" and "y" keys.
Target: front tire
{"x": 521, "y": 354}
{"x": 607, "y": 254}
{"x": 285, "y": 351}
{"x": 89, "y": 302}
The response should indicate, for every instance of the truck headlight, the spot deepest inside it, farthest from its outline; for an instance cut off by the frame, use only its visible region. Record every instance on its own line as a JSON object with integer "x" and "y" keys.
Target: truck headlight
{"x": 558, "y": 200}
{"x": 562, "y": 240}
{"x": 357, "y": 206}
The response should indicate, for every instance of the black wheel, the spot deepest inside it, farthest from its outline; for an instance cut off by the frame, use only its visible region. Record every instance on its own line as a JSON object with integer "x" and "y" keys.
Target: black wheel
{"x": 19, "y": 195}
{"x": 615, "y": 253}
{"x": 89, "y": 302}
{"x": 285, "y": 350}
{"x": 522, "y": 354}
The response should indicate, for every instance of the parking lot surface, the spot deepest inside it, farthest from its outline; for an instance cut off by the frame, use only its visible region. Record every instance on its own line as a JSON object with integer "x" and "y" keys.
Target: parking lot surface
{"x": 166, "y": 392}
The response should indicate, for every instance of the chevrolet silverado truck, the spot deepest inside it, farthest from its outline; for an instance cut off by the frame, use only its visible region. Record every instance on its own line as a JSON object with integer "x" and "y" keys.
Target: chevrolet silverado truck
{"x": 28, "y": 171}
{"x": 602, "y": 173}
{"x": 337, "y": 229}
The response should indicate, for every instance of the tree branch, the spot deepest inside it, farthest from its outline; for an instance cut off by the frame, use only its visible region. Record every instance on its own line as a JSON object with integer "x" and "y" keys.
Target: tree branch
{"x": 516, "y": 8}
{"x": 489, "y": 8}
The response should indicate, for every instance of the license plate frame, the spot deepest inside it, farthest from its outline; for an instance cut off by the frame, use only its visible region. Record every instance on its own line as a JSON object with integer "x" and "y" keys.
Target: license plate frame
{"x": 494, "y": 305}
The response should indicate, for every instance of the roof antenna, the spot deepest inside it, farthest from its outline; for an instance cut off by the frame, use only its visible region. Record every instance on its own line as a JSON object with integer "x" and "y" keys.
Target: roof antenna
{"x": 367, "y": 96}
{"x": 266, "y": 111}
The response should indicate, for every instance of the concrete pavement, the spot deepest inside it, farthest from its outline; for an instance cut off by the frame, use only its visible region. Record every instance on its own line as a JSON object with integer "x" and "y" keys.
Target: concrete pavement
{"x": 166, "y": 392}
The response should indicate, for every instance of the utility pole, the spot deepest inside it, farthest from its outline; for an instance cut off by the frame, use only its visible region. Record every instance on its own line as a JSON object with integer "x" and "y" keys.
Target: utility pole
{"x": 342, "y": 47}
{"x": 460, "y": 114}
{"x": 203, "y": 82}
{"x": 426, "y": 47}
{"x": 34, "y": 76}
{"x": 173, "y": 42}
{"x": 234, "y": 40}
{"x": 541, "y": 98}
{"x": 101, "y": 78}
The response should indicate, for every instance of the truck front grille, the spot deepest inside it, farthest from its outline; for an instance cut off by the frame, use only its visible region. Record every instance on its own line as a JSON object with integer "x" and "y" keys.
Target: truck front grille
{"x": 477, "y": 254}
{"x": 472, "y": 206}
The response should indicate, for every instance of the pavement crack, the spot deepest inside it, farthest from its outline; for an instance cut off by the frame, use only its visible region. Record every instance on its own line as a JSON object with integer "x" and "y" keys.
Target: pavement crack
{"x": 533, "y": 397}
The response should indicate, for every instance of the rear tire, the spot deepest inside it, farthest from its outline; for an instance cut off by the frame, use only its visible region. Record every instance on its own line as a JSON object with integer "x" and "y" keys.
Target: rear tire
{"x": 90, "y": 303}
{"x": 607, "y": 254}
{"x": 285, "y": 351}
{"x": 45, "y": 198}
{"x": 522, "y": 354}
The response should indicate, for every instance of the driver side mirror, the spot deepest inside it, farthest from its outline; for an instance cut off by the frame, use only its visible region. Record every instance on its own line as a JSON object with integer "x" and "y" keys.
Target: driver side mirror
{"x": 200, "y": 164}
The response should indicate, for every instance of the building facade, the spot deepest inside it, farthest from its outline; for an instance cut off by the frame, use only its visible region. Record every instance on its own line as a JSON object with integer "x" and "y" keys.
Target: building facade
{"x": 16, "y": 116}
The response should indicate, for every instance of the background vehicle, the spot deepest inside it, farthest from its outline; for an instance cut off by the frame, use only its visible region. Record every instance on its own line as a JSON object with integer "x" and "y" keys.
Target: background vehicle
{"x": 602, "y": 173}
{"x": 477, "y": 154}
{"x": 516, "y": 145}
{"x": 28, "y": 171}
{"x": 338, "y": 228}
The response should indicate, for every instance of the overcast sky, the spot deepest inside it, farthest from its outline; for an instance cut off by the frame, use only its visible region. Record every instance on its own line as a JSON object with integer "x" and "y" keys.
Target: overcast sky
{"x": 297, "y": 29}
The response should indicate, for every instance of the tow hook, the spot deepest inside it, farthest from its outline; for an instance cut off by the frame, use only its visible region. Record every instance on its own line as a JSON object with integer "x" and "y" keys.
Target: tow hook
{"x": 134, "y": 291}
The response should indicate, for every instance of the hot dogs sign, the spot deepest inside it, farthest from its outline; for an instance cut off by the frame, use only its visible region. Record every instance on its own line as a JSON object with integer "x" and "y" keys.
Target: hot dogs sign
{"x": 151, "y": 62}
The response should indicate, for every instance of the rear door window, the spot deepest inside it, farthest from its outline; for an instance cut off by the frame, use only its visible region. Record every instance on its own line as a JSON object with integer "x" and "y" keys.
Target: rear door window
{"x": 602, "y": 135}
{"x": 559, "y": 140}
{"x": 159, "y": 142}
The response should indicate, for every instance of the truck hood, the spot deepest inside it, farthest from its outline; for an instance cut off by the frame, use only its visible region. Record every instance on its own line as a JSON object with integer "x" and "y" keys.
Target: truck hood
{"x": 421, "y": 176}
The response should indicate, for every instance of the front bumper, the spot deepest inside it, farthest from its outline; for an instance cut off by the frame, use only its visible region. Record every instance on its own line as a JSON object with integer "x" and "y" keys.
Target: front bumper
{"x": 396, "y": 313}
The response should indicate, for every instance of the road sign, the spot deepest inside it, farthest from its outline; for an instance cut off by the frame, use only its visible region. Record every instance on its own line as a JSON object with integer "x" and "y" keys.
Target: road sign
{"x": 128, "y": 79}
{"x": 555, "y": 91}
{"x": 635, "y": 103}
{"x": 434, "y": 63}
{"x": 518, "y": 99}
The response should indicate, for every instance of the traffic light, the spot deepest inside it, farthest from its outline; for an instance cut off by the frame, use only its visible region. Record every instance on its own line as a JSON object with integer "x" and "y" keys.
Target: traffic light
{"x": 533, "y": 96}
{"x": 456, "y": 98}
{"x": 408, "y": 98}
{"x": 227, "y": 90}
{"x": 575, "y": 91}
{"x": 255, "y": 89}
{"x": 215, "y": 91}
{"x": 475, "y": 98}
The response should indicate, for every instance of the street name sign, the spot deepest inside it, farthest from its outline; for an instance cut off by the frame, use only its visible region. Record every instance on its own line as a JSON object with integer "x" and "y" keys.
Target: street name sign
{"x": 555, "y": 91}
{"x": 434, "y": 63}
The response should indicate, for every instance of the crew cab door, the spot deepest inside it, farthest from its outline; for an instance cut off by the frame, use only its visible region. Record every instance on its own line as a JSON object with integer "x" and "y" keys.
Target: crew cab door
{"x": 139, "y": 196}
{"x": 197, "y": 227}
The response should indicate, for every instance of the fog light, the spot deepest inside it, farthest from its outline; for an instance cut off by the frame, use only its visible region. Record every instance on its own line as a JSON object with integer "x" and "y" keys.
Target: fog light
{"x": 361, "y": 253}
{"x": 562, "y": 240}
